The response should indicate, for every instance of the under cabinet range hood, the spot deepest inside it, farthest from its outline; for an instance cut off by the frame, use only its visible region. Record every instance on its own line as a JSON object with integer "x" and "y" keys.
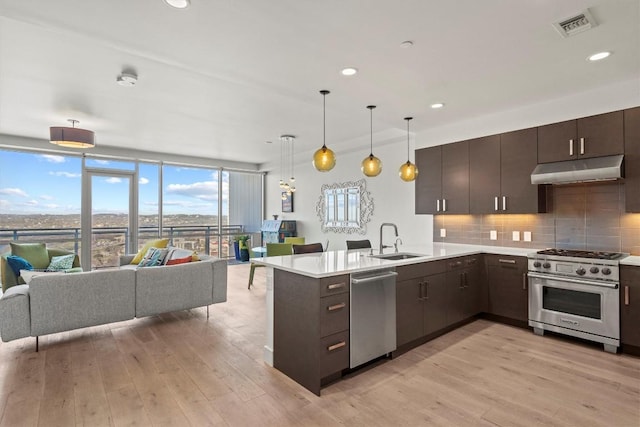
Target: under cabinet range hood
{"x": 582, "y": 170}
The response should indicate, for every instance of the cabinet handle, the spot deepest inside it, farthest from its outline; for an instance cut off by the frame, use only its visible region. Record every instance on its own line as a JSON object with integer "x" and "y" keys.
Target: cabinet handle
{"x": 524, "y": 281}
{"x": 438, "y": 205}
{"x": 444, "y": 205}
{"x": 626, "y": 295}
{"x": 495, "y": 203}
{"x": 336, "y": 306}
{"x": 426, "y": 290}
{"x": 337, "y": 346}
{"x": 461, "y": 281}
{"x": 504, "y": 203}
{"x": 581, "y": 145}
{"x": 466, "y": 280}
{"x": 506, "y": 261}
{"x": 336, "y": 286}
{"x": 571, "y": 147}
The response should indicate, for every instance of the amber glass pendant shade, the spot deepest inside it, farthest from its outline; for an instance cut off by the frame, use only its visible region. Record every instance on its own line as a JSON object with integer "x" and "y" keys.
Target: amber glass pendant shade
{"x": 408, "y": 171}
{"x": 324, "y": 159}
{"x": 371, "y": 166}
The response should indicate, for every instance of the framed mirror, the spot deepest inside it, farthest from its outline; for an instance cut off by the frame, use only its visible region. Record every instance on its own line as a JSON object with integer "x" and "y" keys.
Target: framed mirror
{"x": 345, "y": 207}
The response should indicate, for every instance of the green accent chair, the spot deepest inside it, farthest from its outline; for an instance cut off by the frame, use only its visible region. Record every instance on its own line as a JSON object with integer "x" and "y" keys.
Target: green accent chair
{"x": 9, "y": 279}
{"x": 273, "y": 249}
{"x": 294, "y": 240}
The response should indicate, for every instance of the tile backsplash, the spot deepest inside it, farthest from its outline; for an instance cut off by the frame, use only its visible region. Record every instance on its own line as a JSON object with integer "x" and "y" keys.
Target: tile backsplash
{"x": 586, "y": 216}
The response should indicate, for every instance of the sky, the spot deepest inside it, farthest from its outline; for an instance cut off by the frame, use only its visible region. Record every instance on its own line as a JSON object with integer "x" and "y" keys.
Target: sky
{"x": 33, "y": 183}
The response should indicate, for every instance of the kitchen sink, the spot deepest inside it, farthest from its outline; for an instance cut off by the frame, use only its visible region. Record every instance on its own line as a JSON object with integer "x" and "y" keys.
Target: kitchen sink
{"x": 397, "y": 256}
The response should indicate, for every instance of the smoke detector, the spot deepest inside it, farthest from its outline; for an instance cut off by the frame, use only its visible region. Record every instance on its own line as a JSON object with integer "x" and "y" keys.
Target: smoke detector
{"x": 576, "y": 24}
{"x": 127, "y": 79}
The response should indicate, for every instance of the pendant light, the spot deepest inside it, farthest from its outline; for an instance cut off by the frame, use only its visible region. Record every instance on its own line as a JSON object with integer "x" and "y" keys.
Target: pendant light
{"x": 286, "y": 165}
{"x": 371, "y": 165}
{"x": 72, "y": 137}
{"x": 408, "y": 171}
{"x": 324, "y": 159}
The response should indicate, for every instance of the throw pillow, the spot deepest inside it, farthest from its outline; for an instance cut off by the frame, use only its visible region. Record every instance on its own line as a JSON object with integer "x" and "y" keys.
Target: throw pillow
{"x": 153, "y": 257}
{"x": 177, "y": 253}
{"x": 35, "y": 253}
{"x": 17, "y": 263}
{"x": 158, "y": 243}
{"x": 61, "y": 263}
{"x": 176, "y": 261}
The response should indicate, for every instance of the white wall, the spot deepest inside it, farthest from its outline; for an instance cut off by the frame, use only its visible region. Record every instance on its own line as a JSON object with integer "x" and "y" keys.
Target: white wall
{"x": 393, "y": 198}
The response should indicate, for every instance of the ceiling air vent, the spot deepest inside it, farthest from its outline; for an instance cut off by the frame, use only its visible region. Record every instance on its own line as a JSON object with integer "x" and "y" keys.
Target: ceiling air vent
{"x": 575, "y": 24}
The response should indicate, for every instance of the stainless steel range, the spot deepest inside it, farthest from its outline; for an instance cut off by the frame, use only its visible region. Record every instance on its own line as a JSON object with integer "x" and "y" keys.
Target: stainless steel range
{"x": 576, "y": 293}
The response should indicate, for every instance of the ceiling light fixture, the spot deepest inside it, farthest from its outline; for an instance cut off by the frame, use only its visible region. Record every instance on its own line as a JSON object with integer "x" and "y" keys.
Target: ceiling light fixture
{"x": 406, "y": 44}
{"x": 349, "y": 71}
{"x": 598, "y": 56}
{"x": 324, "y": 159}
{"x": 408, "y": 171}
{"x": 286, "y": 165}
{"x": 178, "y": 4}
{"x": 72, "y": 137}
{"x": 437, "y": 105}
{"x": 127, "y": 79}
{"x": 371, "y": 165}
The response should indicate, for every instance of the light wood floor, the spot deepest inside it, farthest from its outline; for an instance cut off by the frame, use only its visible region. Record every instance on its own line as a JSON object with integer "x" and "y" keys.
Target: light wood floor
{"x": 180, "y": 369}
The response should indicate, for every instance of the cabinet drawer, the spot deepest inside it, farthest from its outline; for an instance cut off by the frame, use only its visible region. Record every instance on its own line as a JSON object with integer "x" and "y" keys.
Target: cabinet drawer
{"x": 506, "y": 261}
{"x": 334, "y": 314}
{"x": 334, "y": 353}
{"x": 413, "y": 271}
{"x": 334, "y": 285}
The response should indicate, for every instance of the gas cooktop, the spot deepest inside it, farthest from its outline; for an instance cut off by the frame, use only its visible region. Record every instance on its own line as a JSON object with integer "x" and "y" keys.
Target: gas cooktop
{"x": 582, "y": 254}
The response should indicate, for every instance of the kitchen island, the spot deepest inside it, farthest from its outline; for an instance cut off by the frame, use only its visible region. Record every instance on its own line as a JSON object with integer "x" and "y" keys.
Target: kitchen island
{"x": 308, "y": 302}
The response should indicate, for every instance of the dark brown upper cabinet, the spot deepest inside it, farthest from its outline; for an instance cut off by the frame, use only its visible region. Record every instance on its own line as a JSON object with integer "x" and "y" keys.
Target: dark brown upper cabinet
{"x": 442, "y": 186}
{"x": 593, "y": 136}
{"x": 500, "y": 169}
{"x": 632, "y": 159}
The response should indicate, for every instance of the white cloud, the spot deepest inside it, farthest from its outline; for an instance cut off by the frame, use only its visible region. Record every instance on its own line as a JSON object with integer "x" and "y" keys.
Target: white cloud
{"x": 183, "y": 204}
{"x": 4, "y": 203}
{"x": 51, "y": 158}
{"x": 143, "y": 180}
{"x": 113, "y": 180}
{"x": 66, "y": 174}
{"x": 46, "y": 197}
{"x": 51, "y": 206}
{"x": 206, "y": 190}
{"x": 101, "y": 162}
{"x": 31, "y": 202}
{"x": 14, "y": 192}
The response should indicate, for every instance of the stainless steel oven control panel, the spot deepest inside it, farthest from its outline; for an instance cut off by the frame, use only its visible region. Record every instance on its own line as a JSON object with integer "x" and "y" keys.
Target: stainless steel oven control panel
{"x": 576, "y": 267}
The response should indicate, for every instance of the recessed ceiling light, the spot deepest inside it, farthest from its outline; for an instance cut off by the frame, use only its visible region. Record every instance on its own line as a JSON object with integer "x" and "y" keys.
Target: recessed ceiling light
{"x": 178, "y": 4}
{"x": 437, "y": 105}
{"x": 406, "y": 44}
{"x": 598, "y": 56}
{"x": 127, "y": 79}
{"x": 349, "y": 71}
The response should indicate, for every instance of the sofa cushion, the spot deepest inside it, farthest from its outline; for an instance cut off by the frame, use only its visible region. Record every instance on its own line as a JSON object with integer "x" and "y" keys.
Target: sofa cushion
{"x": 35, "y": 253}
{"x": 157, "y": 243}
{"x": 153, "y": 258}
{"x": 176, "y": 261}
{"x": 179, "y": 254}
{"x": 61, "y": 263}
{"x": 17, "y": 263}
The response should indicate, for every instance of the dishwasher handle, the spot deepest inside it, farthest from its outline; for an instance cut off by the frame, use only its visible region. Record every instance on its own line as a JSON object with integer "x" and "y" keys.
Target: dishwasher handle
{"x": 375, "y": 278}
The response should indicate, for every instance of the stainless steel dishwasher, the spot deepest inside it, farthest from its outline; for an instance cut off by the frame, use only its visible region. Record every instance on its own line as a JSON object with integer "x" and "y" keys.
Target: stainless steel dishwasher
{"x": 372, "y": 330}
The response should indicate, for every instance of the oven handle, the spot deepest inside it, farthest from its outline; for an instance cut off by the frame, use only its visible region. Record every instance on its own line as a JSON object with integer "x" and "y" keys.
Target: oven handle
{"x": 578, "y": 281}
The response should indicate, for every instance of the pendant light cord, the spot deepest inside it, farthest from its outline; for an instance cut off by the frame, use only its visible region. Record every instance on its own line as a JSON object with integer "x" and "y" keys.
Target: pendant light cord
{"x": 371, "y": 107}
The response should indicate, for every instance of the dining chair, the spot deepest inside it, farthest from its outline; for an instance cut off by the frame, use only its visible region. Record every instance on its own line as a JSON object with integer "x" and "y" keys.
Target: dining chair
{"x": 308, "y": 248}
{"x": 273, "y": 249}
{"x": 294, "y": 240}
{"x": 358, "y": 244}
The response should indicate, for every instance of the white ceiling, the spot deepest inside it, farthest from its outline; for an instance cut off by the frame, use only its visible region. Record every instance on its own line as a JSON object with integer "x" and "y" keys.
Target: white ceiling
{"x": 220, "y": 78}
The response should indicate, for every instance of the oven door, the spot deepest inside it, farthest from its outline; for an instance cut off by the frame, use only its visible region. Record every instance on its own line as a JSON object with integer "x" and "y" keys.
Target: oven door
{"x": 587, "y": 306}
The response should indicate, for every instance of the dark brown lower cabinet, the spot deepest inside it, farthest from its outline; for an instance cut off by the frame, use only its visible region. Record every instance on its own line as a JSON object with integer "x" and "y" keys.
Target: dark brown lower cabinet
{"x": 630, "y": 306}
{"x": 464, "y": 287}
{"x": 508, "y": 288}
{"x": 310, "y": 327}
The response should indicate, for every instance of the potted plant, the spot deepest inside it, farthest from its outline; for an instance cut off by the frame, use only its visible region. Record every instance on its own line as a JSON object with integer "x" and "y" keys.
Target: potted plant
{"x": 241, "y": 247}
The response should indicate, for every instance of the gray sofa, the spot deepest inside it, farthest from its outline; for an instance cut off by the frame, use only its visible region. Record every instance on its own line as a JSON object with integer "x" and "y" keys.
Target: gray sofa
{"x": 61, "y": 302}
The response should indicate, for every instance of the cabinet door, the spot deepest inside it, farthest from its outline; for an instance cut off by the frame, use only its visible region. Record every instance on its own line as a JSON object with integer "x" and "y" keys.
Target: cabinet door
{"x": 484, "y": 175}
{"x": 632, "y": 159}
{"x": 601, "y": 135}
{"x": 506, "y": 279}
{"x": 435, "y": 303}
{"x": 518, "y": 159}
{"x": 630, "y": 305}
{"x": 557, "y": 142}
{"x": 455, "y": 177}
{"x": 409, "y": 310}
{"x": 475, "y": 292}
{"x": 428, "y": 188}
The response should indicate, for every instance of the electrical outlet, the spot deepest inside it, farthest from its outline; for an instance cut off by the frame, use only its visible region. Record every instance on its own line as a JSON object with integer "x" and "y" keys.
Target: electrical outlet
{"x": 443, "y": 232}
{"x": 516, "y": 236}
{"x": 493, "y": 235}
{"x": 527, "y": 236}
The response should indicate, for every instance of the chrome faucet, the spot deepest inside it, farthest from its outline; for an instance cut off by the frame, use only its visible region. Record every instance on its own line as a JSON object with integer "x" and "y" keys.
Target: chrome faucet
{"x": 395, "y": 245}
{"x": 395, "y": 228}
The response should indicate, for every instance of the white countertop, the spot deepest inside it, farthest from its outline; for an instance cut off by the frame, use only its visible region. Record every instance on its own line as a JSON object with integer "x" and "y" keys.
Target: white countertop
{"x": 332, "y": 263}
{"x": 631, "y": 260}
